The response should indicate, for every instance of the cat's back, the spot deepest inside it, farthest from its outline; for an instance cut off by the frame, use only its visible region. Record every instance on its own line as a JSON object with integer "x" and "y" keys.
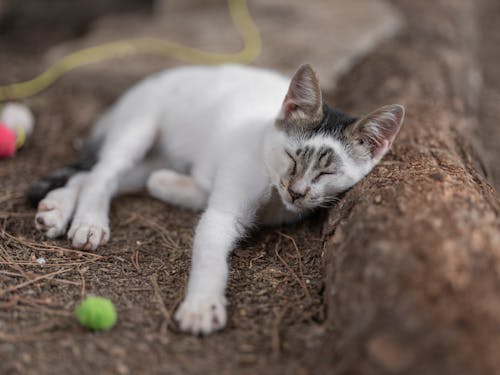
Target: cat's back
{"x": 209, "y": 111}
{"x": 213, "y": 81}
{"x": 217, "y": 93}
{"x": 224, "y": 93}
{"x": 199, "y": 109}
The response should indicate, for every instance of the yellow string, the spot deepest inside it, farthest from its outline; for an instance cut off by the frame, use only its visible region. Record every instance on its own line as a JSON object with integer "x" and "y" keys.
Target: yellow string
{"x": 241, "y": 20}
{"x": 20, "y": 137}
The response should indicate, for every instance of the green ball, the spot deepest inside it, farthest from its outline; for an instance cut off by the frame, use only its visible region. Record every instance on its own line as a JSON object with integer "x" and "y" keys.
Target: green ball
{"x": 96, "y": 313}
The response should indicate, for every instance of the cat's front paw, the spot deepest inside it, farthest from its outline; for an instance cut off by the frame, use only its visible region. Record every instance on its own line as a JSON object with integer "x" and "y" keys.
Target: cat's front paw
{"x": 52, "y": 218}
{"x": 88, "y": 234}
{"x": 202, "y": 314}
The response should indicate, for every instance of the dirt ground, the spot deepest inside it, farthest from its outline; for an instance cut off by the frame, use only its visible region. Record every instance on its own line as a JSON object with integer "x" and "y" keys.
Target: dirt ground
{"x": 275, "y": 286}
{"x": 275, "y": 290}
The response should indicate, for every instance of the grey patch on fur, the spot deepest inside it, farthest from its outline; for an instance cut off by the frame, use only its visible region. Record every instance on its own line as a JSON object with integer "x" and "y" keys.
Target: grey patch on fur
{"x": 335, "y": 124}
{"x": 325, "y": 156}
{"x": 307, "y": 154}
{"x": 303, "y": 160}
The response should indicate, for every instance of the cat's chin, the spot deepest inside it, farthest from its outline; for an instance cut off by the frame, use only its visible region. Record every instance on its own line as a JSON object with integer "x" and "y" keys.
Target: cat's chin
{"x": 289, "y": 205}
{"x": 292, "y": 207}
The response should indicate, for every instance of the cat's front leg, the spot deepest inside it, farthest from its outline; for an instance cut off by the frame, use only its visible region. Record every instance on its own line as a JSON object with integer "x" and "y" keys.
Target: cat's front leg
{"x": 203, "y": 310}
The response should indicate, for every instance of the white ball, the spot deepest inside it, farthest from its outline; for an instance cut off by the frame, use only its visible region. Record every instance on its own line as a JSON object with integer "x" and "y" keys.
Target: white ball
{"x": 16, "y": 114}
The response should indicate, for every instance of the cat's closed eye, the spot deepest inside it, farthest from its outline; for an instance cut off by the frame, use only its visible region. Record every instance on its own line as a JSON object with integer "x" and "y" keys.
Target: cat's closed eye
{"x": 322, "y": 174}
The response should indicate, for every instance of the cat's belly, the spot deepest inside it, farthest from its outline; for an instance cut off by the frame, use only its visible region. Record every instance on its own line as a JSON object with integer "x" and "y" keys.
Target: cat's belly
{"x": 191, "y": 154}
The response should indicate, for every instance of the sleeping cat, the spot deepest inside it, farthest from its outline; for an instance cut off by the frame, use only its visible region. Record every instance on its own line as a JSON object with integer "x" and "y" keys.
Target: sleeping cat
{"x": 247, "y": 146}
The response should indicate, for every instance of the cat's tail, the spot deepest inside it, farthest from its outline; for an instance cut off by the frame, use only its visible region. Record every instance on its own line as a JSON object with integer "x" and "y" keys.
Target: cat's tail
{"x": 86, "y": 159}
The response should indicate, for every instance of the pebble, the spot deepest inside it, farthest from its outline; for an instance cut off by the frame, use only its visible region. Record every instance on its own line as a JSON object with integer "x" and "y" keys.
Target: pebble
{"x": 41, "y": 261}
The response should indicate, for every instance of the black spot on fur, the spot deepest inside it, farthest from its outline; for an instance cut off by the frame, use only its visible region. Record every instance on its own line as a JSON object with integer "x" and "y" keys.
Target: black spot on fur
{"x": 333, "y": 123}
{"x": 86, "y": 159}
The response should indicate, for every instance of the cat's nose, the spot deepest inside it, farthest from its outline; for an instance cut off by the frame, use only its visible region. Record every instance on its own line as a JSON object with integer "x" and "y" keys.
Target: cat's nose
{"x": 296, "y": 194}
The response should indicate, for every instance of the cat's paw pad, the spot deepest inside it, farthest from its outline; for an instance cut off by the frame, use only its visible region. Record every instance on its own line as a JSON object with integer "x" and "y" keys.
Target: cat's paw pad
{"x": 202, "y": 315}
{"x": 88, "y": 234}
{"x": 51, "y": 219}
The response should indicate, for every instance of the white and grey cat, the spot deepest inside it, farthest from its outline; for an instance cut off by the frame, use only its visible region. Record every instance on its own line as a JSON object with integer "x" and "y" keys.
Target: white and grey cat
{"x": 247, "y": 146}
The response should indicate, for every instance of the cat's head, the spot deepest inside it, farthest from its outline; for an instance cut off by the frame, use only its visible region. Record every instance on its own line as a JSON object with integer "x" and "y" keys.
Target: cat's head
{"x": 320, "y": 151}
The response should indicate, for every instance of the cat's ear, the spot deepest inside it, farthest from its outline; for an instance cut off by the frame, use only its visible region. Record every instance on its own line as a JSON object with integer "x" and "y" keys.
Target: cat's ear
{"x": 377, "y": 130}
{"x": 303, "y": 103}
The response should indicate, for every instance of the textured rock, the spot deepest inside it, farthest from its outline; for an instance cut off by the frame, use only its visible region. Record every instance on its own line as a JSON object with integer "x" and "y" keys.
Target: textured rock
{"x": 413, "y": 286}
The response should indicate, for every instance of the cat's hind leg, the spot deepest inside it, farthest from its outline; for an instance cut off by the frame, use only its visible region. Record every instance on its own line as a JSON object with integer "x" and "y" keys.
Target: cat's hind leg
{"x": 177, "y": 189}
{"x": 56, "y": 209}
{"x": 135, "y": 179}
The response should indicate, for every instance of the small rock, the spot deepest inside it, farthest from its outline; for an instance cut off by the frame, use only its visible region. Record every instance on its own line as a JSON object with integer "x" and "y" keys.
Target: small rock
{"x": 338, "y": 237}
{"x": 122, "y": 369}
{"x": 390, "y": 353}
{"x": 41, "y": 261}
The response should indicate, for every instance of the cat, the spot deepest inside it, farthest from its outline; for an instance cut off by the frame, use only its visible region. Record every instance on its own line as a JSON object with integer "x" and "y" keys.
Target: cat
{"x": 247, "y": 146}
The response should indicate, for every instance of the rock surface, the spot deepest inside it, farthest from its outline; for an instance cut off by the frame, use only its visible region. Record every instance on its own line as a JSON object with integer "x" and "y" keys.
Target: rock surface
{"x": 413, "y": 263}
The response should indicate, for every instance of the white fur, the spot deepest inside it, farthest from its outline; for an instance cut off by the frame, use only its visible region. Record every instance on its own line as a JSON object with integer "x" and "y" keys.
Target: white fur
{"x": 218, "y": 150}
{"x": 16, "y": 115}
{"x": 55, "y": 211}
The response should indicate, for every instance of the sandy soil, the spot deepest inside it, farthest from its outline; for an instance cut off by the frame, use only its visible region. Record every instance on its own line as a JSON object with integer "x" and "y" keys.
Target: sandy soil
{"x": 275, "y": 288}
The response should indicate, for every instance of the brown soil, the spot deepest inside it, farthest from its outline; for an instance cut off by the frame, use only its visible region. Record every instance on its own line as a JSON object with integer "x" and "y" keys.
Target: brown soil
{"x": 275, "y": 287}
{"x": 281, "y": 320}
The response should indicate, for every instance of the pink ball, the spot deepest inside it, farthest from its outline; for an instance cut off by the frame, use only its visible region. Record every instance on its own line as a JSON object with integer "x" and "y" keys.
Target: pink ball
{"x": 7, "y": 141}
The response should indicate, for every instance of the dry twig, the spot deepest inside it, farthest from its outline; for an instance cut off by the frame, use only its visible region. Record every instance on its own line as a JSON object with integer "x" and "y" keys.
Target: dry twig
{"x": 47, "y": 247}
{"x": 82, "y": 277}
{"x": 29, "y": 282}
{"x": 157, "y": 291}
{"x": 290, "y": 269}
{"x": 134, "y": 258}
{"x": 167, "y": 240}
